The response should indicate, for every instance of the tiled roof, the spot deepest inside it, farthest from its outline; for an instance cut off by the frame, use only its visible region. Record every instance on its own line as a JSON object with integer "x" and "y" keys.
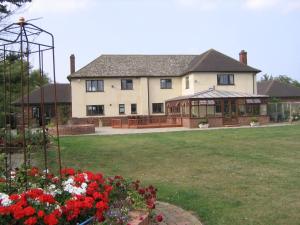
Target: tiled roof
{"x": 213, "y": 94}
{"x": 63, "y": 93}
{"x": 160, "y": 65}
{"x": 275, "y": 88}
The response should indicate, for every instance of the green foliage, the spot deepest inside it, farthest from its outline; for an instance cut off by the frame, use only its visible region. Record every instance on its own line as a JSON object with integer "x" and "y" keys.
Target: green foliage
{"x": 203, "y": 121}
{"x": 64, "y": 112}
{"x": 254, "y": 120}
{"x": 12, "y": 69}
{"x": 282, "y": 78}
{"x": 7, "y": 7}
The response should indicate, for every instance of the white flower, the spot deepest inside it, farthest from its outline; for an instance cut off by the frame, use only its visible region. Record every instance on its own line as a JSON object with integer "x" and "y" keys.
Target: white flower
{"x": 4, "y": 199}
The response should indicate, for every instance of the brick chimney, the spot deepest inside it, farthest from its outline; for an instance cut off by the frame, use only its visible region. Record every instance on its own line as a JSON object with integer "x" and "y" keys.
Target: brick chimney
{"x": 243, "y": 57}
{"x": 72, "y": 63}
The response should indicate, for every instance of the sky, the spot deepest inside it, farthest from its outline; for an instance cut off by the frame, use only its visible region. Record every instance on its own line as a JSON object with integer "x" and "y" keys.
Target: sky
{"x": 267, "y": 29}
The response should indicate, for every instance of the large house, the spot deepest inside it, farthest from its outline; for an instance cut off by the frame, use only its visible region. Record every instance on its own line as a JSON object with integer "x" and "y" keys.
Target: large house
{"x": 184, "y": 88}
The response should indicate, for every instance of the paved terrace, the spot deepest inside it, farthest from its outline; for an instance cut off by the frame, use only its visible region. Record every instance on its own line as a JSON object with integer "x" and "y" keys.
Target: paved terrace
{"x": 120, "y": 131}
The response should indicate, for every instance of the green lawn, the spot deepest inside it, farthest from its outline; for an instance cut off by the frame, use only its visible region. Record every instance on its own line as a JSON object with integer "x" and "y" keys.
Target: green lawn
{"x": 232, "y": 176}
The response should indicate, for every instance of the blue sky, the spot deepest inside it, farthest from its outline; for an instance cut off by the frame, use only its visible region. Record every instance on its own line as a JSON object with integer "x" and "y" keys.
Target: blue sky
{"x": 267, "y": 29}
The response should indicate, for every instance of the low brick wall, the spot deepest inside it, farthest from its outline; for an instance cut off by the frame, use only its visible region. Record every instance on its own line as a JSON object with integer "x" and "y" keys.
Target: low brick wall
{"x": 74, "y": 129}
{"x": 245, "y": 120}
{"x": 107, "y": 121}
{"x": 215, "y": 122}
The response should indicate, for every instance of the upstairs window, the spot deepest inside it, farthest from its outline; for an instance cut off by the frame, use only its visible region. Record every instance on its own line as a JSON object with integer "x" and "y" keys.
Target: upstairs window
{"x": 94, "y": 110}
{"x": 94, "y": 85}
{"x": 157, "y": 107}
{"x": 165, "y": 83}
{"x": 187, "y": 82}
{"x": 126, "y": 84}
{"x": 225, "y": 79}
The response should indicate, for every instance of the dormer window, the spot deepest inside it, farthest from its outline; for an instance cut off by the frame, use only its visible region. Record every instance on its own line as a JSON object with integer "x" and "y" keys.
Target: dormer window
{"x": 225, "y": 79}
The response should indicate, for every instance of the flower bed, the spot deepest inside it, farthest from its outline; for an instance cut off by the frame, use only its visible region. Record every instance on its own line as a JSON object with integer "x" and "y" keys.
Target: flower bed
{"x": 81, "y": 196}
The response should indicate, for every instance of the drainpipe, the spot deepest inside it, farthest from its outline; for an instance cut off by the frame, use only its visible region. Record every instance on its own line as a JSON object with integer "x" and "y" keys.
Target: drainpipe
{"x": 253, "y": 83}
{"x": 148, "y": 97}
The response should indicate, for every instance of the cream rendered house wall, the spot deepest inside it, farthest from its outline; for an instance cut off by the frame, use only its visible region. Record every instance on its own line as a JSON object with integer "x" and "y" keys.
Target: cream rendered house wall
{"x": 113, "y": 95}
{"x": 243, "y": 82}
{"x": 110, "y": 98}
{"x": 157, "y": 95}
{"x": 191, "y": 89}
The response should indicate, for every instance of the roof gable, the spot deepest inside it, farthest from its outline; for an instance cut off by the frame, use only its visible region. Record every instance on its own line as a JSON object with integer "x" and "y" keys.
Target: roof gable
{"x": 214, "y": 61}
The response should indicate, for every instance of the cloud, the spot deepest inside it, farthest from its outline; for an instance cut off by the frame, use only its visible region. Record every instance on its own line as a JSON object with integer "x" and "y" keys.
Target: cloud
{"x": 252, "y": 5}
{"x": 292, "y": 6}
{"x": 58, "y": 6}
{"x": 278, "y": 5}
{"x": 261, "y": 4}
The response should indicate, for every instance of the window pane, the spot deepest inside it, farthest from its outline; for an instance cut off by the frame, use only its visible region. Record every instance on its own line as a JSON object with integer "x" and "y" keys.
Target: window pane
{"x": 231, "y": 79}
{"x": 93, "y": 110}
{"x": 187, "y": 83}
{"x": 157, "y": 107}
{"x": 242, "y": 110}
{"x": 195, "y": 111}
{"x": 133, "y": 109}
{"x": 202, "y": 110}
{"x": 210, "y": 110}
{"x": 225, "y": 79}
{"x": 263, "y": 110}
{"x": 218, "y": 108}
{"x": 121, "y": 108}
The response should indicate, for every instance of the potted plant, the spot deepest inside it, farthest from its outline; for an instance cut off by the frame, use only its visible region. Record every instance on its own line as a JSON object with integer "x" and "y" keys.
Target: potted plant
{"x": 254, "y": 122}
{"x": 203, "y": 123}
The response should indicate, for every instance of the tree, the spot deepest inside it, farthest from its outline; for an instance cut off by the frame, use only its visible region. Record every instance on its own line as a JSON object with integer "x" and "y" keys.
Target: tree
{"x": 288, "y": 80}
{"x": 8, "y": 7}
{"x": 282, "y": 78}
{"x": 13, "y": 67}
{"x": 266, "y": 77}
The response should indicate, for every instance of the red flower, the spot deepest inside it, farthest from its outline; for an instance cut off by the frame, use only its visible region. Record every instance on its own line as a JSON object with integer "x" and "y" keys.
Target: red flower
{"x": 68, "y": 171}
{"x": 29, "y": 211}
{"x": 159, "y": 218}
{"x": 33, "y": 171}
{"x": 30, "y": 221}
{"x": 14, "y": 197}
{"x": 41, "y": 213}
{"x": 50, "y": 220}
{"x": 47, "y": 198}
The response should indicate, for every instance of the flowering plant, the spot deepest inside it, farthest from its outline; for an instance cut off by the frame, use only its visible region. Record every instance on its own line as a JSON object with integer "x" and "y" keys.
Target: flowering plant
{"x": 75, "y": 198}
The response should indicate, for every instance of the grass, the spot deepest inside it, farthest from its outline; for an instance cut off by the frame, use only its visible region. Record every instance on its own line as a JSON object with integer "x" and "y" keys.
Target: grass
{"x": 231, "y": 176}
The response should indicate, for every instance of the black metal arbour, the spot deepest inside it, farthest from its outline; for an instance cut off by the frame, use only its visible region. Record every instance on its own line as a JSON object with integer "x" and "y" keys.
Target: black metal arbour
{"x": 26, "y": 41}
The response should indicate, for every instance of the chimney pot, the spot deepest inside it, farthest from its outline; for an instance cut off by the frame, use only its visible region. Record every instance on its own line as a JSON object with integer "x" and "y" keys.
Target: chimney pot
{"x": 72, "y": 63}
{"x": 243, "y": 57}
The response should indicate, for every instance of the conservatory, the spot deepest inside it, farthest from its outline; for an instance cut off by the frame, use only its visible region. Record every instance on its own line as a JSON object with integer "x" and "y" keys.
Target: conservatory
{"x": 219, "y": 108}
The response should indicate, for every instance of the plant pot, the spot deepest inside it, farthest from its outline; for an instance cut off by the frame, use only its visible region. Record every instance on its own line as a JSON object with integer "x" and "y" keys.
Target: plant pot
{"x": 254, "y": 124}
{"x": 202, "y": 126}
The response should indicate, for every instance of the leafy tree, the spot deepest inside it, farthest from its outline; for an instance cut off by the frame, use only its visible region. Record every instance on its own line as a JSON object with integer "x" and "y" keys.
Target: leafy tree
{"x": 282, "y": 78}
{"x": 288, "y": 80}
{"x": 8, "y": 7}
{"x": 13, "y": 67}
{"x": 266, "y": 77}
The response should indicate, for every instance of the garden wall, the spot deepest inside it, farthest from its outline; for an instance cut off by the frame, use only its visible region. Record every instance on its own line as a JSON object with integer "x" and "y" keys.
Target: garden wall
{"x": 74, "y": 129}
